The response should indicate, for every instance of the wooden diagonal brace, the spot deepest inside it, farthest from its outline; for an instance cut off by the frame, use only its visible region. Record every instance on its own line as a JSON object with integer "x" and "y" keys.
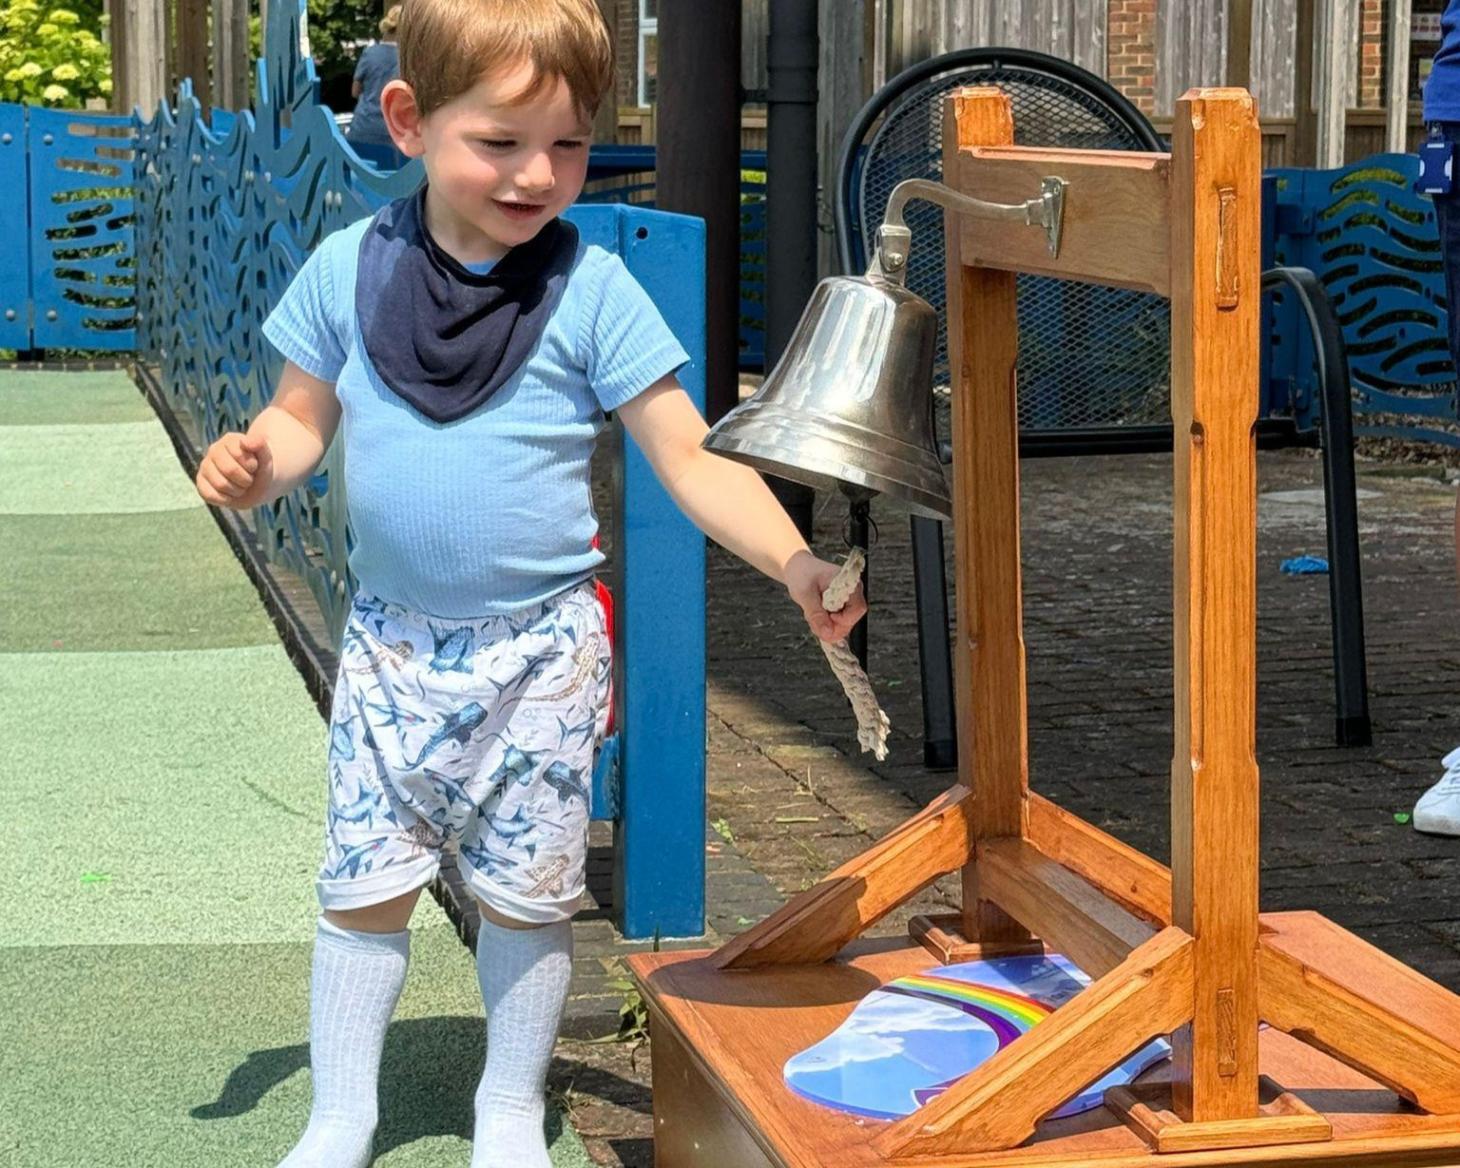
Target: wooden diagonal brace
{"x": 1323, "y": 985}
{"x": 814, "y": 926}
{"x": 998, "y": 1105}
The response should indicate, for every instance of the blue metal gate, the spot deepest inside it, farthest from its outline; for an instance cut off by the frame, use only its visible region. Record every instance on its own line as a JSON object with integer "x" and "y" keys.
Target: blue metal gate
{"x": 68, "y": 265}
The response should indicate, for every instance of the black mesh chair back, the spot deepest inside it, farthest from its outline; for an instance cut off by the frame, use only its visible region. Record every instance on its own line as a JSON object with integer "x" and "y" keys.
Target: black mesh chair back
{"x": 1090, "y": 358}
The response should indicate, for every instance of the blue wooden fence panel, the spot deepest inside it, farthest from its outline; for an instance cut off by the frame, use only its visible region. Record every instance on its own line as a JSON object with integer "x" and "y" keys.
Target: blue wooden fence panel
{"x": 226, "y": 215}
{"x": 662, "y": 570}
{"x": 15, "y": 299}
{"x": 1373, "y": 242}
{"x": 83, "y": 273}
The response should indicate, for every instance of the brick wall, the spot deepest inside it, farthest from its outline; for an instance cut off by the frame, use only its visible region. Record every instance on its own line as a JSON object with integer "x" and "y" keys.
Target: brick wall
{"x": 1371, "y": 54}
{"x": 1130, "y": 47}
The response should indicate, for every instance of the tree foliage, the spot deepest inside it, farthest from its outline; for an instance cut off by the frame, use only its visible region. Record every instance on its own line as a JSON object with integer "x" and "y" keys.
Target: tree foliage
{"x": 53, "y": 56}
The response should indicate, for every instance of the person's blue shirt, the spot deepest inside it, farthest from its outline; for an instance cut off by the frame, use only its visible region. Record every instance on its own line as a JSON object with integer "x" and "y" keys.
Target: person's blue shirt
{"x": 1442, "y": 89}
{"x": 378, "y": 65}
{"x": 493, "y": 512}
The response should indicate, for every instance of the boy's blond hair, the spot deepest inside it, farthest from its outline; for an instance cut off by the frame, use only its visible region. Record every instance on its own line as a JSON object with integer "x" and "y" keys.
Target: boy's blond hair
{"x": 447, "y": 46}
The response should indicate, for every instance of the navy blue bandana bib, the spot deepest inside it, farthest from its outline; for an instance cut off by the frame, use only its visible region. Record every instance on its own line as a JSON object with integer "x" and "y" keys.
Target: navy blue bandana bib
{"x": 442, "y": 337}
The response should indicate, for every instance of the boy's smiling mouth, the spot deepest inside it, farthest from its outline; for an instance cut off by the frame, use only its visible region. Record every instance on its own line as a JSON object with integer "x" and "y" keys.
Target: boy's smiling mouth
{"x": 520, "y": 210}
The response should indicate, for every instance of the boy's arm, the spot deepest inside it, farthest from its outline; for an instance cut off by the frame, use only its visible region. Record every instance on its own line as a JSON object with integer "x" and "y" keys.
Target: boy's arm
{"x": 281, "y": 448}
{"x": 730, "y": 503}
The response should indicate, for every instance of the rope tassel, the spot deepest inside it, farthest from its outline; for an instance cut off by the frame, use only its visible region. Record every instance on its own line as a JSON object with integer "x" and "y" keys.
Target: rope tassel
{"x": 872, "y": 721}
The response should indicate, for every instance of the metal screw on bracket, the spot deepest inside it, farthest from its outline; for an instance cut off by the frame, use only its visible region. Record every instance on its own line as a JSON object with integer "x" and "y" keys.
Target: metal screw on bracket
{"x": 48, "y": 139}
{"x": 50, "y": 314}
{"x": 6, "y": 139}
{"x": 10, "y": 314}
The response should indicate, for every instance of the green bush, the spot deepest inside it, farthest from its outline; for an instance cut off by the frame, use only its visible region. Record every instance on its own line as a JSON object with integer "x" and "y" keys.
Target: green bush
{"x": 49, "y": 57}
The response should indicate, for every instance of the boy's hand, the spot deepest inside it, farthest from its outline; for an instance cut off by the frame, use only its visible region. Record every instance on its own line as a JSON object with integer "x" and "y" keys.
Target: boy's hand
{"x": 806, "y": 579}
{"x": 234, "y": 470}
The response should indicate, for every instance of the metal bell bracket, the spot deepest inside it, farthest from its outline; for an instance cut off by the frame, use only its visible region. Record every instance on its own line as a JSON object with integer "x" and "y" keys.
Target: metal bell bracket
{"x": 894, "y": 240}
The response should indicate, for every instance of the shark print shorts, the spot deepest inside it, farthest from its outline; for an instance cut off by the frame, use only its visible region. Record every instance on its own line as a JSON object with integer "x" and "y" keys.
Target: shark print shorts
{"x": 476, "y": 735}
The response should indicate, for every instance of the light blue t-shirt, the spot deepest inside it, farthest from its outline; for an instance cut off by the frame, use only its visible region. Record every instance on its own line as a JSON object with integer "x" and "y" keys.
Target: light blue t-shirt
{"x": 493, "y": 512}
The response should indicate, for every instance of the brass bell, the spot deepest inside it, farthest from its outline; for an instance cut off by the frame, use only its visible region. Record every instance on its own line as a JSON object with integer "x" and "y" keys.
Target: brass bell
{"x": 850, "y": 403}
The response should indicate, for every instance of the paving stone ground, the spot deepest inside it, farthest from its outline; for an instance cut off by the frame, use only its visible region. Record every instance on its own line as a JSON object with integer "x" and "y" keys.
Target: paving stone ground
{"x": 790, "y": 797}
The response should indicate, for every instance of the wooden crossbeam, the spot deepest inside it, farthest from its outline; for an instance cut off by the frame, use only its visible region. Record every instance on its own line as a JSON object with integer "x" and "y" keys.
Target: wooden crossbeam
{"x": 1066, "y": 911}
{"x": 999, "y": 1104}
{"x": 1131, "y": 878}
{"x": 815, "y": 925}
{"x": 1116, "y": 227}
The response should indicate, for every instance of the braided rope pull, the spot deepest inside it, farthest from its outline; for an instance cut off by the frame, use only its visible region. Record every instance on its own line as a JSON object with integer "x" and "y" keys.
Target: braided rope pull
{"x": 872, "y": 721}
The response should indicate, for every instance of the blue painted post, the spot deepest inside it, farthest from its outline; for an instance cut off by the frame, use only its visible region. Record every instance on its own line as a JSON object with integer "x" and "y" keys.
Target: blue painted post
{"x": 659, "y": 853}
{"x": 15, "y": 299}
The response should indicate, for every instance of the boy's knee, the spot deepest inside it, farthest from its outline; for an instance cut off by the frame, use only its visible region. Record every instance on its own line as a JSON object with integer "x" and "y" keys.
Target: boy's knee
{"x": 502, "y": 921}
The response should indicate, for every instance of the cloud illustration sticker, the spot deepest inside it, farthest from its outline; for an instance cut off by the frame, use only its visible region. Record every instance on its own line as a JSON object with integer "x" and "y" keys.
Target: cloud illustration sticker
{"x": 913, "y": 1038}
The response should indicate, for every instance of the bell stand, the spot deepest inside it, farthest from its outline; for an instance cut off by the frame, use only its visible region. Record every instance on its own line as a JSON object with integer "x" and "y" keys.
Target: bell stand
{"x": 1181, "y": 952}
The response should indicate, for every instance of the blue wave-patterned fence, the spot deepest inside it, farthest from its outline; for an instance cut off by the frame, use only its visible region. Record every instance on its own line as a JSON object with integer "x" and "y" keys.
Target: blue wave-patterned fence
{"x": 225, "y": 216}
{"x": 67, "y": 272}
{"x": 1373, "y": 243}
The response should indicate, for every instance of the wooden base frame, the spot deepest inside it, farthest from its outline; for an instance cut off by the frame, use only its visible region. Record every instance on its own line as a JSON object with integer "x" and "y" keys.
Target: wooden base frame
{"x": 1361, "y": 1055}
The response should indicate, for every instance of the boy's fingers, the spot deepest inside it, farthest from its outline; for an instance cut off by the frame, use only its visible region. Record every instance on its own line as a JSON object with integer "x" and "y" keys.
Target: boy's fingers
{"x": 253, "y": 443}
{"x": 218, "y": 481}
{"x": 236, "y": 473}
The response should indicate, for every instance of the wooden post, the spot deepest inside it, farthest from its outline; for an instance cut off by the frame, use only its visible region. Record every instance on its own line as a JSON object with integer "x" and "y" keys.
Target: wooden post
{"x": 1215, "y": 229}
{"x": 1337, "y": 33}
{"x": 605, "y": 122}
{"x": 1304, "y": 150}
{"x": 1396, "y": 105}
{"x": 230, "y": 54}
{"x": 145, "y": 44}
{"x": 983, "y": 347}
{"x": 192, "y": 48}
{"x": 1239, "y": 43}
{"x": 121, "y": 77}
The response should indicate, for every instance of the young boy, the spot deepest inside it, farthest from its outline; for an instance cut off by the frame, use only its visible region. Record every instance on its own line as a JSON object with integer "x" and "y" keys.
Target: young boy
{"x": 470, "y": 344}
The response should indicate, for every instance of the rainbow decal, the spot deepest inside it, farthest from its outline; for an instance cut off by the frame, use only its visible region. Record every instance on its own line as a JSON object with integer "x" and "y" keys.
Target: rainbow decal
{"x": 1006, "y": 1013}
{"x": 913, "y": 1038}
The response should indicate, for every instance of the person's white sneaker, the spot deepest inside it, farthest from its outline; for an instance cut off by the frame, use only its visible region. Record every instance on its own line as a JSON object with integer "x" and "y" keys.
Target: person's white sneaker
{"x": 1438, "y": 809}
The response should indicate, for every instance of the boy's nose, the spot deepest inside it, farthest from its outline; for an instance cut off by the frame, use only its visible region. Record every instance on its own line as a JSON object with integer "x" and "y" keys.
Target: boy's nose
{"x": 538, "y": 176}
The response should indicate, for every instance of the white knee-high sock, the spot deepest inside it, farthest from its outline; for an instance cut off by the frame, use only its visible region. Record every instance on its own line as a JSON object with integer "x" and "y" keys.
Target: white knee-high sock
{"x": 355, "y": 984}
{"x": 524, "y": 975}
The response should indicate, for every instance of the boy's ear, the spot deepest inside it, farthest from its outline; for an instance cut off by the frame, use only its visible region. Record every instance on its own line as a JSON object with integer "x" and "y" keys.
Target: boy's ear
{"x": 403, "y": 118}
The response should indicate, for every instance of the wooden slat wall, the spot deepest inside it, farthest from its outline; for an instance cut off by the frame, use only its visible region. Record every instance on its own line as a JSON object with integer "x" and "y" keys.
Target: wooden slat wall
{"x": 1274, "y": 57}
{"x": 1072, "y": 29}
{"x": 1191, "y": 48}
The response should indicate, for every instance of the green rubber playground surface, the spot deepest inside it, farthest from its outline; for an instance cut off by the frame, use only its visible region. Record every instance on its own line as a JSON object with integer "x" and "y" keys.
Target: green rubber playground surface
{"x": 162, "y": 770}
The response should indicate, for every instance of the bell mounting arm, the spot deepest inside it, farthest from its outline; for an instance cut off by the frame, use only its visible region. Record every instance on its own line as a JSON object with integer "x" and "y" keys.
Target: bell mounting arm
{"x": 894, "y": 239}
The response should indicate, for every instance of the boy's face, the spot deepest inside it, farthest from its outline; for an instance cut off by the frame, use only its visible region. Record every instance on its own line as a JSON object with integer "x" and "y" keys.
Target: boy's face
{"x": 499, "y": 171}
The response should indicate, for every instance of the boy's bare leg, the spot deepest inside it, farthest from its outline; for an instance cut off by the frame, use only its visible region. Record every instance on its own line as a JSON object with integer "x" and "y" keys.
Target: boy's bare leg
{"x": 524, "y": 970}
{"x": 389, "y": 916}
{"x": 360, "y": 958}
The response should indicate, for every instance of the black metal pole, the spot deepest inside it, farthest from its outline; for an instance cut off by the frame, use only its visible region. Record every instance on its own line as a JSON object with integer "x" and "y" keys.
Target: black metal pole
{"x": 1345, "y": 585}
{"x": 699, "y": 165}
{"x": 790, "y": 171}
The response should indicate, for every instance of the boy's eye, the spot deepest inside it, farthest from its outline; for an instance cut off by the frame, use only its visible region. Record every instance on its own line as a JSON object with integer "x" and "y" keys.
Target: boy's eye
{"x": 572, "y": 143}
{"x": 497, "y": 143}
